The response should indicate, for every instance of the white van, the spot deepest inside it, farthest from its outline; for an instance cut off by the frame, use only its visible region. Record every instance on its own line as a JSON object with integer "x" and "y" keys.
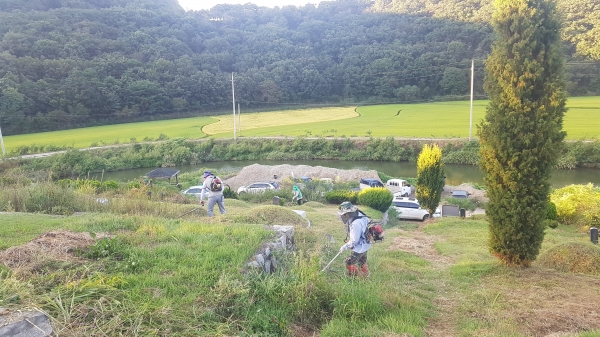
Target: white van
{"x": 400, "y": 187}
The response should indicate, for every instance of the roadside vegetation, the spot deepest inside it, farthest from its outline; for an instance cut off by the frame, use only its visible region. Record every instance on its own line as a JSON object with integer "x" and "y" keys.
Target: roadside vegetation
{"x": 176, "y": 152}
{"x": 147, "y": 270}
{"x": 443, "y": 120}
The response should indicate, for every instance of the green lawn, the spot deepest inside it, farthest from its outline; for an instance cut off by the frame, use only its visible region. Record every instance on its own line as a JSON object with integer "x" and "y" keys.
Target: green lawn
{"x": 424, "y": 120}
{"x": 428, "y": 120}
{"x": 110, "y": 134}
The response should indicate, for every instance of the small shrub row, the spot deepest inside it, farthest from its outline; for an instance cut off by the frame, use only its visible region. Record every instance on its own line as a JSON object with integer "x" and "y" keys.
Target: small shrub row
{"x": 339, "y": 196}
{"x": 378, "y": 198}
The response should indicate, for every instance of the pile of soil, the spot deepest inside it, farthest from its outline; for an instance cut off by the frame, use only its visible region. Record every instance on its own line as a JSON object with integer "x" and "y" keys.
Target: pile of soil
{"x": 474, "y": 193}
{"x": 57, "y": 245}
{"x": 254, "y": 173}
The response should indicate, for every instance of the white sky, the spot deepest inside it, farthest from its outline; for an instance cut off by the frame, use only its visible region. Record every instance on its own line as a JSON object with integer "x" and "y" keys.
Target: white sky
{"x": 207, "y": 4}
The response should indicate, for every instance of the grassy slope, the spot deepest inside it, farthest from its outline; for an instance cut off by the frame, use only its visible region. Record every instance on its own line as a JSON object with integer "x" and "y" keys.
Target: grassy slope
{"x": 188, "y": 276}
{"x": 425, "y": 120}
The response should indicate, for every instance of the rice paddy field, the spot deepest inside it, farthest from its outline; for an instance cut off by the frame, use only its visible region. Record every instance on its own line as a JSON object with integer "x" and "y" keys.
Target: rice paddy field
{"x": 423, "y": 120}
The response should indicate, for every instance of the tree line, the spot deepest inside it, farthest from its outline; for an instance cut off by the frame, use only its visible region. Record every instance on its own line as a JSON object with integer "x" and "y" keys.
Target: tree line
{"x": 70, "y": 63}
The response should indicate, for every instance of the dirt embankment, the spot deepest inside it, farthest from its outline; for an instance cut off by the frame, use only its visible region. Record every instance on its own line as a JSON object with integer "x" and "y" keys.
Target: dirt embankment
{"x": 256, "y": 172}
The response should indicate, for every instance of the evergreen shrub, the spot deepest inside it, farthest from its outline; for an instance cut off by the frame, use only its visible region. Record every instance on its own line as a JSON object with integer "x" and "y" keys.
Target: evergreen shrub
{"x": 339, "y": 196}
{"x": 551, "y": 213}
{"x": 430, "y": 177}
{"x": 378, "y": 198}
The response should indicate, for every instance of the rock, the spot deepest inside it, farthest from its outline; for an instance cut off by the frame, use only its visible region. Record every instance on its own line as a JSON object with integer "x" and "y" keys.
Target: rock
{"x": 260, "y": 259}
{"x": 253, "y": 264}
{"x": 268, "y": 252}
{"x": 300, "y": 213}
{"x": 27, "y": 324}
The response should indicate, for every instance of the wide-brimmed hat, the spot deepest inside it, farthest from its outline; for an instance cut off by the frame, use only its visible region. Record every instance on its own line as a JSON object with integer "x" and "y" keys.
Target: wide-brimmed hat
{"x": 347, "y": 207}
{"x": 206, "y": 174}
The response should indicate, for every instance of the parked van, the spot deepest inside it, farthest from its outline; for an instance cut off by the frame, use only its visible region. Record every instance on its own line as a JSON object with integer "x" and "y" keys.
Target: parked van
{"x": 400, "y": 187}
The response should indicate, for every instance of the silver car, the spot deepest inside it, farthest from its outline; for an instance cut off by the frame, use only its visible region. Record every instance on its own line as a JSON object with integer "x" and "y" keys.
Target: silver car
{"x": 194, "y": 190}
{"x": 259, "y": 187}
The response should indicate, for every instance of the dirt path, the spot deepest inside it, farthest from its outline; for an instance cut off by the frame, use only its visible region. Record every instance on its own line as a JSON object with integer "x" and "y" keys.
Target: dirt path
{"x": 423, "y": 245}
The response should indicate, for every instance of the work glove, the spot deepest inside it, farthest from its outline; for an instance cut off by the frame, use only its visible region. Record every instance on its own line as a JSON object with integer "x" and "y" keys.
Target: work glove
{"x": 343, "y": 248}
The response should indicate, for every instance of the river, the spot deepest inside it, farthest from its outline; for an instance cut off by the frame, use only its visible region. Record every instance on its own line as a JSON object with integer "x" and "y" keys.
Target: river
{"x": 455, "y": 174}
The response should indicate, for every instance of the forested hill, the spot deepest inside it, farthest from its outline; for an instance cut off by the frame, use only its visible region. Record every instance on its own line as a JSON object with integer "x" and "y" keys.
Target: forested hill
{"x": 45, "y": 5}
{"x": 67, "y": 63}
{"x": 581, "y": 25}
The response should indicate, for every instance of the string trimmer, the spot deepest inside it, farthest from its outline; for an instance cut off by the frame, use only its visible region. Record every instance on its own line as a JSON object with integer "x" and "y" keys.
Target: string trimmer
{"x": 327, "y": 266}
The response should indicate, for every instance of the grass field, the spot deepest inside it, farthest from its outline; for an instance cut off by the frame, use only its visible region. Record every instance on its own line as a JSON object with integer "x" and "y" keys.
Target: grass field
{"x": 113, "y": 134}
{"x": 428, "y": 120}
{"x": 291, "y": 118}
{"x": 424, "y": 120}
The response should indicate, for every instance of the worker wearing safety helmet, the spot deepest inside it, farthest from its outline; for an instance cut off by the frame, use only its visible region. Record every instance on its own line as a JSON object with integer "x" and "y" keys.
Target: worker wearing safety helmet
{"x": 356, "y": 224}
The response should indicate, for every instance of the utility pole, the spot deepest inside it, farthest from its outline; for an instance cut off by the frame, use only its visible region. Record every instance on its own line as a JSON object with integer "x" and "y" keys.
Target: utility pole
{"x": 240, "y": 119}
{"x": 2, "y": 141}
{"x": 233, "y": 96}
{"x": 471, "y": 114}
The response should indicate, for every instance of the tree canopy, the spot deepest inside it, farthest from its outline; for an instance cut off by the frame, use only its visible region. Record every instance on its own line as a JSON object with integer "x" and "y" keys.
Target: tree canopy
{"x": 68, "y": 63}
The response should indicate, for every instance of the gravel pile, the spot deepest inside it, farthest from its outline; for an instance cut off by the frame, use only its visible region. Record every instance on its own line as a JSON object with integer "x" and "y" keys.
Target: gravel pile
{"x": 256, "y": 172}
{"x": 475, "y": 194}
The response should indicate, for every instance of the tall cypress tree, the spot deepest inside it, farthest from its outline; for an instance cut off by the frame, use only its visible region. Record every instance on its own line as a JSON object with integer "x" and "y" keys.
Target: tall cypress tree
{"x": 522, "y": 132}
{"x": 430, "y": 177}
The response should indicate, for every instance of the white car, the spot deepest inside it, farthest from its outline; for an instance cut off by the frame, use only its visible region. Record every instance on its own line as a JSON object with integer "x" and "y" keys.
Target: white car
{"x": 409, "y": 209}
{"x": 259, "y": 187}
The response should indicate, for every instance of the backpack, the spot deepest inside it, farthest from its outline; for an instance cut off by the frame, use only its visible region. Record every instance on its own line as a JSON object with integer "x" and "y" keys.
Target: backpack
{"x": 216, "y": 185}
{"x": 374, "y": 231}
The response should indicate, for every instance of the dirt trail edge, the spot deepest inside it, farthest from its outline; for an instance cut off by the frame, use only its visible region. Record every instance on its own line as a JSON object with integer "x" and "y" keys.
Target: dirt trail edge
{"x": 422, "y": 245}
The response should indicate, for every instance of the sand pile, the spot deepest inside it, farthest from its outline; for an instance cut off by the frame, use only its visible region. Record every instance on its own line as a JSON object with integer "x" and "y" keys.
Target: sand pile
{"x": 256, "y": 172}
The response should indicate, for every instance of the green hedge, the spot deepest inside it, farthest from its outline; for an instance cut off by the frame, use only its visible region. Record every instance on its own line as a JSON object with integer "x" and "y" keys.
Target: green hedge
{"x": 339, "y": 196}
{"x": 377, "y": 198}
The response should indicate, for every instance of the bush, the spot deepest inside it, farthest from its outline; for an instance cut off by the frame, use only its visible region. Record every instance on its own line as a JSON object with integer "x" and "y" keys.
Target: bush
{"x": 228, "y": 193}
{"x": 576, "y": 204}
{"x": 110, "y": 185}
{"x": 339, "y": 196}
{"x": 550, "y": 223}
{"x": 573, "y": 257}
{"x": 462, "y": 203}
{"x": 377, "y": 198}
{"x": 551, "y": 213}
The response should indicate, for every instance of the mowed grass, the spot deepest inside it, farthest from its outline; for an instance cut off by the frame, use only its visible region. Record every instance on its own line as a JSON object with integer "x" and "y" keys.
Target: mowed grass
{"x": 427, "y": 120}
{"x": 423, "y": 120}
{"x": 252, "y": 121}
{"x": 113, "y": 134}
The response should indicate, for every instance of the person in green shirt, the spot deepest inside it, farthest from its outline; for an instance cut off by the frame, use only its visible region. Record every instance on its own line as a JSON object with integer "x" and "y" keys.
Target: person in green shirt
{"x": 297, "y": 195}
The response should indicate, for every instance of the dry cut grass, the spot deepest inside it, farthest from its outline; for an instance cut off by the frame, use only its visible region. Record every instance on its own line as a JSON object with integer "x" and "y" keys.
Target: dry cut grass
{"x": 279, "y": 118}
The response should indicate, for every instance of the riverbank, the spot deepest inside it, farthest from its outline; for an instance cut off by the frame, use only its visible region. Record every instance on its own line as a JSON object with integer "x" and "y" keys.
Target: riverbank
{"x": 396, "y": 153}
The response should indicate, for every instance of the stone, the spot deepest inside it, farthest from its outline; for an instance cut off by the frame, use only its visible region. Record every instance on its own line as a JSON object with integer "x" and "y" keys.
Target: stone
{"x": 28, "y": 324}
{"x": 268, "y": 252}
{"x": 260, "y": 259}
{"x": 300, "y": 213}
{"x": 253, "y": 264}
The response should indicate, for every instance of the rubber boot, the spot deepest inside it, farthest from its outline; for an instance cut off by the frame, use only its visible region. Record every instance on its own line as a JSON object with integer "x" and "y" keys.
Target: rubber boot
{"x": 365, "y": 271}
{"x": 352, "y": 270}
